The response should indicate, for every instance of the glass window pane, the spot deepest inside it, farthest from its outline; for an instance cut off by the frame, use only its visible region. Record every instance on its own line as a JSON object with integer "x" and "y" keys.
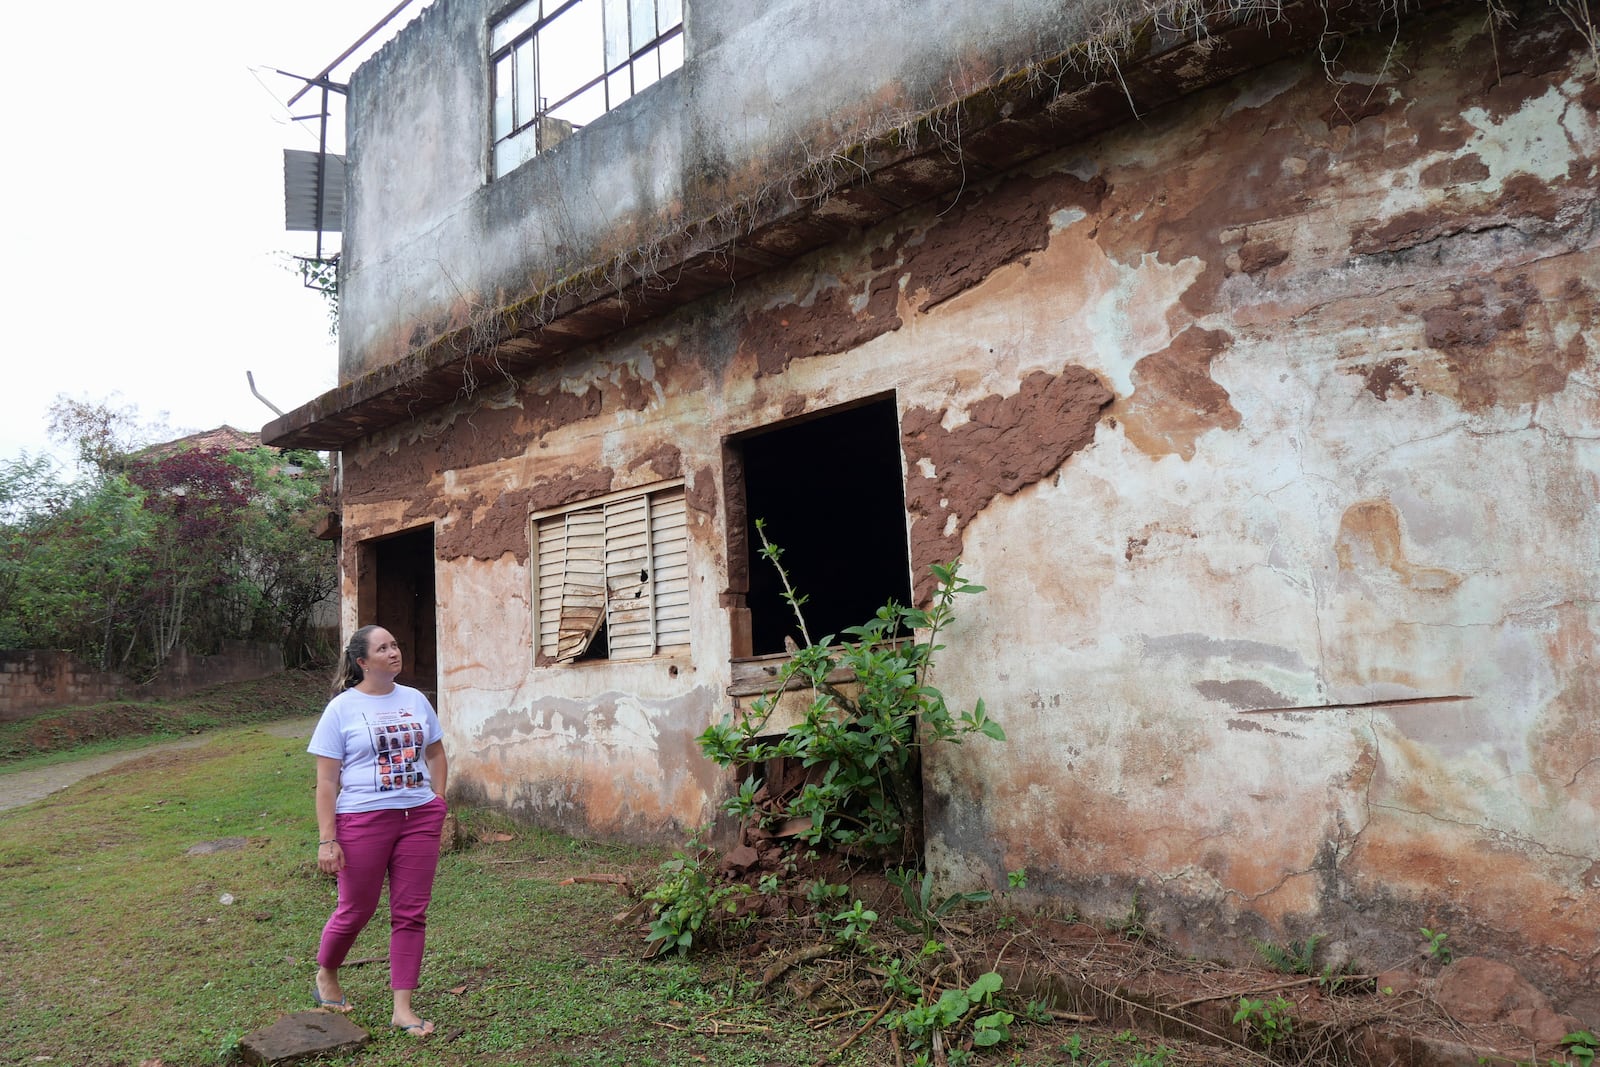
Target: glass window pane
{"x": 503, "y": 87}
{"x": 646, "y": 71}
{"x": 616, "y": 33}
{"x": 671, "y": 54}
{"x": 620, "y": 87}
{"x": 642, "y": 23}
{"x": 513, "y": 153}
{"x": 507, "y": 28}
{"x": 527, "y": 85}
{"x": 571, "y": 51}
{"x": 669, "y": 13}
{"x": 582, "y": 109}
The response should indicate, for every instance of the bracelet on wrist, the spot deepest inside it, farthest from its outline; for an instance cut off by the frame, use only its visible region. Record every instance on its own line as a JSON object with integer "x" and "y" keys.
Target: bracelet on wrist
{"x": 330, "y": 841}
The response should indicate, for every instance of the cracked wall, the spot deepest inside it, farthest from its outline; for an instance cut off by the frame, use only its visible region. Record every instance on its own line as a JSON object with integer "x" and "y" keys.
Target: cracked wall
{"x": 1282, "y": 398}
{"x": 1352, "y": 470}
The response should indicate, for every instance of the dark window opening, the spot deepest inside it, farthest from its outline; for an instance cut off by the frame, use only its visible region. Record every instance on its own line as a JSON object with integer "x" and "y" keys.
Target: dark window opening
{"x": 598, "y": 647}
{"x": 831, "y": 492}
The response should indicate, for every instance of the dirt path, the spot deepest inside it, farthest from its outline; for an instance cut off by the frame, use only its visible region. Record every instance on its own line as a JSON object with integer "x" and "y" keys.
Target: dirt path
{"x": 24, "y": 787}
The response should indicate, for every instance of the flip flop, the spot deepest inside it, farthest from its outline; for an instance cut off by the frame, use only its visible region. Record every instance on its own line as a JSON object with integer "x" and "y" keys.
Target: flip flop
{"x": 421, "y": 1029}
{"x": 342, "y": 1005}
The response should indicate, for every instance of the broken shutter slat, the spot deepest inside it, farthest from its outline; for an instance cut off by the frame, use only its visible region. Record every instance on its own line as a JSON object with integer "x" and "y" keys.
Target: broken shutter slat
{"x": 583, "y": 589}
{"x": 629, "y": 617}
{"x": 670, "y": 571}
{"x": 621, "y": 565}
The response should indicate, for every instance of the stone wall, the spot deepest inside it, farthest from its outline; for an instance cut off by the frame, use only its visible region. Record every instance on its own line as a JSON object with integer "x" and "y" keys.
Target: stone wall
{"x": 32, "y": 681}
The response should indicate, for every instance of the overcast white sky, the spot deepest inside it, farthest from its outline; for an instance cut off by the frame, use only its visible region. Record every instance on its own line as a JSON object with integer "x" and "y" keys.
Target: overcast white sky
{"x": 147, "y": 259}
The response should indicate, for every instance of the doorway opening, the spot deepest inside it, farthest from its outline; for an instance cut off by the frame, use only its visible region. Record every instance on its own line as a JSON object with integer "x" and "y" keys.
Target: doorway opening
{"x": 830, "y": 490}
{"x": 396, "y": 590}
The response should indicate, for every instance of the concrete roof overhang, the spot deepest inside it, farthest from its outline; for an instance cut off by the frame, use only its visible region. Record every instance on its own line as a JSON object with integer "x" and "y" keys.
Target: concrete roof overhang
{"x": 1027, "y": 114}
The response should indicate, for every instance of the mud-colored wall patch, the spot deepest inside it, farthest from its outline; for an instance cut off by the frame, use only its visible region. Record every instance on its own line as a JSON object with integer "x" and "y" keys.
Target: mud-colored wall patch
{"x": 828, "y": 323}
{"x": 966, "y": 247}
{"x": 1007, "y": 443}
{"x": 1174, "y": 398}
{"x": 1498, "y": 342}
{"x": 1369, "y": 535}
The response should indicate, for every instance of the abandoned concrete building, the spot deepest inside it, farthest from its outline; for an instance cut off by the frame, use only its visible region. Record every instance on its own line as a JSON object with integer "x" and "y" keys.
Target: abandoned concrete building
{"x": 1247, "y": 353}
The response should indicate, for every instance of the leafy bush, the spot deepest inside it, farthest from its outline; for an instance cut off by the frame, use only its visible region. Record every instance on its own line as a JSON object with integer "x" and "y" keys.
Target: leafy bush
{"x": 686, "y": 900}
{"x": 867, "y": 798}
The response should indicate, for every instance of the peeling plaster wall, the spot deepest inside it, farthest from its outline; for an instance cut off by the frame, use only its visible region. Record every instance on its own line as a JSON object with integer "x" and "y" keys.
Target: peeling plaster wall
{"x": 1352, "y": 459}
{"x": 1283, "y": 397}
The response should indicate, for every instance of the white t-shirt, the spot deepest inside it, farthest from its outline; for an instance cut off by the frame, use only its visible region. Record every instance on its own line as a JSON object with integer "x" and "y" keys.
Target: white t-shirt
{"x": 379, "y": 742}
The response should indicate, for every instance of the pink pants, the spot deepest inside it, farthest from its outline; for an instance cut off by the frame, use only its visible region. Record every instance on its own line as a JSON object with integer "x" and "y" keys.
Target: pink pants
{"x": 404, "y": 844}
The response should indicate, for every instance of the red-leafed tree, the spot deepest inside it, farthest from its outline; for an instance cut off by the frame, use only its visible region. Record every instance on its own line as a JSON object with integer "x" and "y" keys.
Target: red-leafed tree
{"x": 200, "y": 503}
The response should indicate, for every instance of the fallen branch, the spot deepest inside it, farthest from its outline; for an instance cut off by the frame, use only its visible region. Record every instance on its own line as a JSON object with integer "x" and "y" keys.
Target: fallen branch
{"x": 847, "y": 1042}
{"x": 1274, "y": 988}
{"x": 619, "y": 880}
{"x": 826, "y": 1020}
{"x": 782, "y": 965}
{"x": 718, "y": 1029}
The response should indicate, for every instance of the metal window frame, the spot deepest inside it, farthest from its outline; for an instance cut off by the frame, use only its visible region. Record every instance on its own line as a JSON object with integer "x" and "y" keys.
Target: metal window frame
{"x": 529, "y": 36}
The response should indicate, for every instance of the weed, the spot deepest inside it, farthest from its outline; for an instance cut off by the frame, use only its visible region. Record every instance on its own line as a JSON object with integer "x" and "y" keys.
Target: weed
{"x": 1133, "y": 925}
{"x": 1435, "y": 947}
{"x": 952, "y": 1012}
{"x": 685, "y": 899}
{"x": 1298, "y": 957}
{"x": 923, "y": 915}
{"x": 857, "y": 920}
{"x": 1268, "y": 1022}
{"x": 1017, "y": 879}
{"x": 820, "y": 893}
{"x": 868, "y": 799}
{"x": 1581, "y": 1047}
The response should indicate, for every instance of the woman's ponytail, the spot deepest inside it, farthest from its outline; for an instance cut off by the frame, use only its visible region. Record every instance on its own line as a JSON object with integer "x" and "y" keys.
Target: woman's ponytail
{"x": 348, "y": 674}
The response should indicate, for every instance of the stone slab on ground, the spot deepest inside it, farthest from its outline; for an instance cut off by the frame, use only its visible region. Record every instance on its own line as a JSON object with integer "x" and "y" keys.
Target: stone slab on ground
{"x": 300, "y": 1036}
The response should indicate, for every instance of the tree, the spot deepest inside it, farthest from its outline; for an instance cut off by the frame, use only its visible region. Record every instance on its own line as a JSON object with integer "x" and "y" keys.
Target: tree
{"x": 98, "y": 432}
{"x": 165, "y": 546}
{"x": 70, "y": 560}
{"x": 198, "y": 500}
{"x": 289, "y": 569}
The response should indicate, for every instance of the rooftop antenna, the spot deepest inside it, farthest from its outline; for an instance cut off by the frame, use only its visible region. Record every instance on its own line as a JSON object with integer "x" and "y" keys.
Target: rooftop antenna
{"x": 296, "y": 163}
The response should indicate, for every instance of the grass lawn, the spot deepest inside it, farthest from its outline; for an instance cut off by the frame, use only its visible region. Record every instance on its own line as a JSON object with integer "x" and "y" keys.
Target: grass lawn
{"x": 85, "y": 730}
{"x": 118, "y": 948}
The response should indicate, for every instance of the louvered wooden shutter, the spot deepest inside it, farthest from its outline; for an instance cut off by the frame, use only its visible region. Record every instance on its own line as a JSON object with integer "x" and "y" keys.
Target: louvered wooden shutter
{"x": 670, "y": 553}
{"x": 625, "y": 562}
{"x": 572, "y": 592}
{"x": 647, "y": 574}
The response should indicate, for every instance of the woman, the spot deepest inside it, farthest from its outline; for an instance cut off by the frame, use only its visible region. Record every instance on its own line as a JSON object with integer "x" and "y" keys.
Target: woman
{"x": 366, "y": 830}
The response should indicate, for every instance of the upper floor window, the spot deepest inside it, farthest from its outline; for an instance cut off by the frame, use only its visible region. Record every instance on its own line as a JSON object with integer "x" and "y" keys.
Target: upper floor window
{"x": 557, "y": 65}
